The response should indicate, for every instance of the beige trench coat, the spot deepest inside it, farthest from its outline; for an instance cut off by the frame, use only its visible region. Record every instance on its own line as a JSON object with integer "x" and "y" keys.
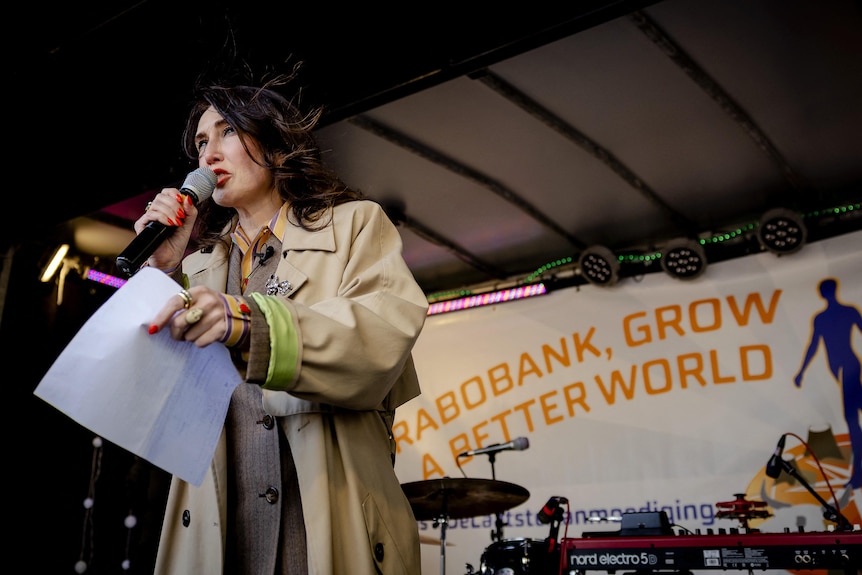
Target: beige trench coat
{"x": 357, "y": 311}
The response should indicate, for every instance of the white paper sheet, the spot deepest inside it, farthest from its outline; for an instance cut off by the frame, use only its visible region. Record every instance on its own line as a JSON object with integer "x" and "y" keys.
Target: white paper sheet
{"x": 158, "y": 398}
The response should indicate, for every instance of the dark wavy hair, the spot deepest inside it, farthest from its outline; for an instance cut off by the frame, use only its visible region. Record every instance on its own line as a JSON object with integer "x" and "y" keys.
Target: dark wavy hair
{"x": 290, "y": 151}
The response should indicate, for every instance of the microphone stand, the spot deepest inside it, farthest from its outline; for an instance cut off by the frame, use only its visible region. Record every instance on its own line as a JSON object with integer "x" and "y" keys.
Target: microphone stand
{"x": 552, "y": 543}
{"x": 554, "y": 532}
{"x": 830, "y": 513}
{"x": 497, "y": 534}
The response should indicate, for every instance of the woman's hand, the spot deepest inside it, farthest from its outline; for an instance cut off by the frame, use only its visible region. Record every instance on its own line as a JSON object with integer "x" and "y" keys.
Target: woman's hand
{"x": 196, "y": 315}
{"x": 204, "y": 316}
{"x": 175, "y": 210}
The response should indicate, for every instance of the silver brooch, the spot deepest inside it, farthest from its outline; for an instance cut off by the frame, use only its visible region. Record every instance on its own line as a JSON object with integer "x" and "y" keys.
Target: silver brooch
{"x": 273, "y": 286}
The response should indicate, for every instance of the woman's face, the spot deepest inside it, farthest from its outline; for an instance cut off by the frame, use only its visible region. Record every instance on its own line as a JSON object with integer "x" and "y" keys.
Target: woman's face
{"x": 241, "y": 181}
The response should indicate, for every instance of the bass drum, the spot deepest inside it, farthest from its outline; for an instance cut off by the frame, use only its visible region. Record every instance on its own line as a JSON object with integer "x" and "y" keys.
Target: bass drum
{"x": 521, "y": 556}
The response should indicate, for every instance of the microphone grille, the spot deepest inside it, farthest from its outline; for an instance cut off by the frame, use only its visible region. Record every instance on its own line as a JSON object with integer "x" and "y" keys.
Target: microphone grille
{"x": 520, "y": 443}
{"x": 200, "y": 184}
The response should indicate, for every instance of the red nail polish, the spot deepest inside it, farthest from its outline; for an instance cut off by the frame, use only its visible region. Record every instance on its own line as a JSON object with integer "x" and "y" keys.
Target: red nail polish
{"x": 181, "y": 213}
{"x": 171, "y": 222}
{"x": 244, "y": 308}
{"x": 153, "y": 329}
{"x": 180, "y": 198}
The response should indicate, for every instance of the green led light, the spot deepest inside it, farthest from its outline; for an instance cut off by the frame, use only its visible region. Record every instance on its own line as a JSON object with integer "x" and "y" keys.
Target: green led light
{"x": 628, "y": 258}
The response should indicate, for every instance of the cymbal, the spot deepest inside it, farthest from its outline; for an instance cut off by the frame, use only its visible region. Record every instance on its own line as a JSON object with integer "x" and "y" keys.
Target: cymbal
{"x": 460, "y": 498}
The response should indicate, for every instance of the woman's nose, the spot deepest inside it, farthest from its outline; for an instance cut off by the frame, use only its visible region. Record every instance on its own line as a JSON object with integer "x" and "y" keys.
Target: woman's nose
{"x": 211, "y": 154}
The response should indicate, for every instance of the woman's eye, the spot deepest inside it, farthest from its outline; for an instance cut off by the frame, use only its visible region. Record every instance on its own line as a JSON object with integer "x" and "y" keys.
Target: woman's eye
{"x": 228, "y": 130}
{"x": 201, "y": 144}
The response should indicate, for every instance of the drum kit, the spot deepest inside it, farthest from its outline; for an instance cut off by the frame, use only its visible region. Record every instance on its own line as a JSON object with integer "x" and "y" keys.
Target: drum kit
{"x": 441, "y": 500}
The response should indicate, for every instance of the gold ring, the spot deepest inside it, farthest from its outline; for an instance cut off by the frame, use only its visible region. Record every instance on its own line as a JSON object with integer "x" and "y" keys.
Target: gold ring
{"x": 149, "y": 205}
{"x": 194, "y": 315}
{"x": 187, "y": 298}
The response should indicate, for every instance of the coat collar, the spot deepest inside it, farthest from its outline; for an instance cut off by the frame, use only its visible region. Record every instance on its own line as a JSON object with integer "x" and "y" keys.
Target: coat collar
{"x": 210, "y": 268}
{"x": 296, "y": 238}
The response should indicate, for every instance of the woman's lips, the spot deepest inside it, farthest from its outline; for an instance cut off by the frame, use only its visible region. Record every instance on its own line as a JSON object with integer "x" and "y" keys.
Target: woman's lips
{"x": 221, "y": 177}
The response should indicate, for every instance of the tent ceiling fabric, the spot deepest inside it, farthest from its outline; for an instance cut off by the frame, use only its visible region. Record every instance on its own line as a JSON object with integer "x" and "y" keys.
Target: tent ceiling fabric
{"x": 626, "y": 125}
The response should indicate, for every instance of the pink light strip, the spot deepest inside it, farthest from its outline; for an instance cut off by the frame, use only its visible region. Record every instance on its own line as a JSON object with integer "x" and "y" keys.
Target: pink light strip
{"x": 106, "y": 279}
{"x": 487, "y": 299}
{"x": 451, "y": 305}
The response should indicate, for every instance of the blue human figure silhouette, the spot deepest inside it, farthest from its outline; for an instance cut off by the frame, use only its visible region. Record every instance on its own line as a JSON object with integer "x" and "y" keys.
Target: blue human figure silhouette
{"x": 834, "y": 327}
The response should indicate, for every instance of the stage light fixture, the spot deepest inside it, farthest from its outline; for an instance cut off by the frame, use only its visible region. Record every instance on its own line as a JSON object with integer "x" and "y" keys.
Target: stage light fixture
{"x": 781, "y": 231}
{"x": 599, "y": 266}
{"x": 683, "y": 259}
{"x": 56, "y": 260}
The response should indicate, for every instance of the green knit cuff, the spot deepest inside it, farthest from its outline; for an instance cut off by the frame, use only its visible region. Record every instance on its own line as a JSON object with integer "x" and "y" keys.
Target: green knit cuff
{"x": 283, "y": 341}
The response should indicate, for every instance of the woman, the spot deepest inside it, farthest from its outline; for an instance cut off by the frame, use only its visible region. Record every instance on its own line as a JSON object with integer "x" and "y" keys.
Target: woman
{"x": 304, "y": 281}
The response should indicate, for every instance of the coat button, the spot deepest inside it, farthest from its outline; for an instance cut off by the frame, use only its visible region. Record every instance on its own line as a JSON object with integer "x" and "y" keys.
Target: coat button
{"x": 271, "y": 495}
{"x": 378, "y": 552}
{"x": 268, "y": 421}
{"x": 187, "y": 518}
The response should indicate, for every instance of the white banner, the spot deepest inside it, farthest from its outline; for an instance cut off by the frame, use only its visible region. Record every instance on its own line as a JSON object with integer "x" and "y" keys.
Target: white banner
{"x": 655, "y": 394}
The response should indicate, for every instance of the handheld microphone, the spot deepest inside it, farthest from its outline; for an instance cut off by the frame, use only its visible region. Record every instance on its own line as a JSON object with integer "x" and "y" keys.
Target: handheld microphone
{"x": 550, "y": 509}
{"x": 774, "y": 465}
{"x": 199, "y": 186}
{"x": 517, "y": 444}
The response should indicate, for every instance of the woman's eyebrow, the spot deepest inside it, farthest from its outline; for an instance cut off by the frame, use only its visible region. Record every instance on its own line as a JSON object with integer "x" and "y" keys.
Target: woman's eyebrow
{"x": 201, "y": 135}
